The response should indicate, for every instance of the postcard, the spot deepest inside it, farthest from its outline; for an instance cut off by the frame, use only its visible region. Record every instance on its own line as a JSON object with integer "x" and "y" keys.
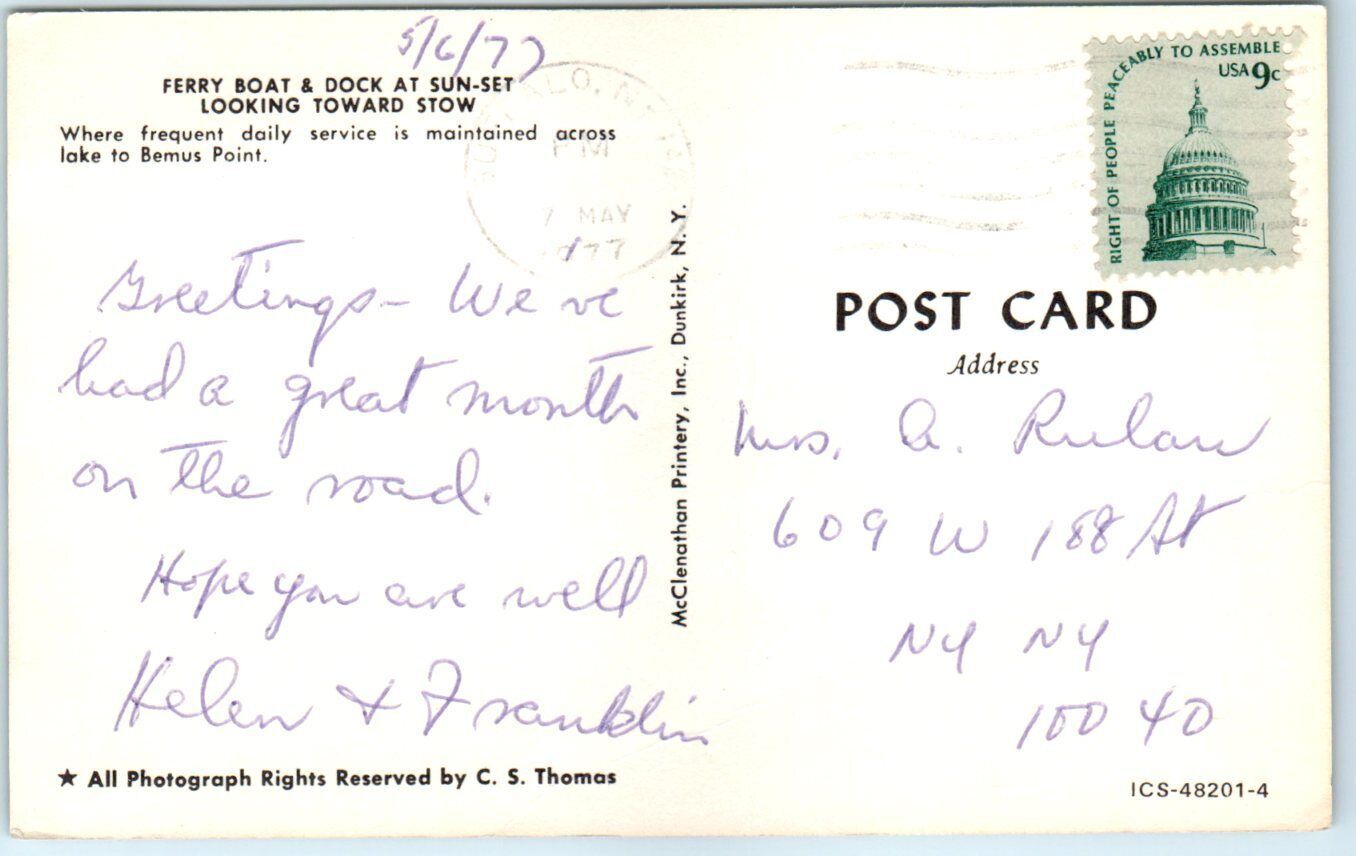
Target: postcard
{"x": 670, "y": 422}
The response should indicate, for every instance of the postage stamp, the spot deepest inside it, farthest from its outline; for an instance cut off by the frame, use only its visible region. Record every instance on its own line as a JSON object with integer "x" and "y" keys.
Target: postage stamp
{"x": 1191, "y": 154}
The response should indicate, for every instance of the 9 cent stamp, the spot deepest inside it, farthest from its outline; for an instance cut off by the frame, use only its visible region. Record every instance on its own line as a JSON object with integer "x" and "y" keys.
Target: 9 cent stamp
{"x": 1191, "y": 155}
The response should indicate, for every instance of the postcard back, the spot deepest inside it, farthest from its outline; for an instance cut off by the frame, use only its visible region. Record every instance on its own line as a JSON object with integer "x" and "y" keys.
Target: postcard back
{"x": 668, "y": 422}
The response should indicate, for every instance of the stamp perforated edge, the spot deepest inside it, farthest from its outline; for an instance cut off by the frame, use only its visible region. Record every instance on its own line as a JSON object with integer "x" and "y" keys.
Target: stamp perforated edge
{"x": 1293, "y": 62}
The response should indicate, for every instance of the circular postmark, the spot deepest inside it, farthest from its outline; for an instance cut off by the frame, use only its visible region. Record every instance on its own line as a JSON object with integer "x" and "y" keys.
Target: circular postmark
{"x": 591, "y": 195}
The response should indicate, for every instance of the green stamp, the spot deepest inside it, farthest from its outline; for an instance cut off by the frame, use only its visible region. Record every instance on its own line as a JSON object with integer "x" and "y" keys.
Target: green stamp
{"x": 1191, "y": 154}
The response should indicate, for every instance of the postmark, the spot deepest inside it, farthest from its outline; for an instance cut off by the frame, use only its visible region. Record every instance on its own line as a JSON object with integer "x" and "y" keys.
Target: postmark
{"x": 590, "y": 197}
{"x": 1191, "y": 151}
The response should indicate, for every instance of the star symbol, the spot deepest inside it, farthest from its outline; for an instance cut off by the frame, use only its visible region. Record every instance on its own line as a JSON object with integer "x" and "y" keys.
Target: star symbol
{"x": 67, "y": 778}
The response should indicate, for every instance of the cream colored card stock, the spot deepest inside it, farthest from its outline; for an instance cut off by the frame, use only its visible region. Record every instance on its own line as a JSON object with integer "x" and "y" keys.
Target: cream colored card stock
{"x": 668, "y": 422}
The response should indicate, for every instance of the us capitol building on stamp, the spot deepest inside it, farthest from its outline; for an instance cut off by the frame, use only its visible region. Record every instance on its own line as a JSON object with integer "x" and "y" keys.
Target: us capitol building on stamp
{"x": 1201, "y": 203}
